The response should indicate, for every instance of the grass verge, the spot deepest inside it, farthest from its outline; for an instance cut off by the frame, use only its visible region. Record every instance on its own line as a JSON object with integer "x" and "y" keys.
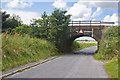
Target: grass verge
{"x": 112, "y": 68}
{"x": 18, "y": 51}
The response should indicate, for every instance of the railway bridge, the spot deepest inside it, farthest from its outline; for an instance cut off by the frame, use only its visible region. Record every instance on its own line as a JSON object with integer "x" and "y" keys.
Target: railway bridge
{"x": 92, "y": 29}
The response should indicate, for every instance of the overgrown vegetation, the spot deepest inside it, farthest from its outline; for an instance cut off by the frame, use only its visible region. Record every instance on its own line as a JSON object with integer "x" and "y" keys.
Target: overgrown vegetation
{"x": 109, "y": 49}
{"x": 53, "y": 28}
{"x": 17, "y": 50}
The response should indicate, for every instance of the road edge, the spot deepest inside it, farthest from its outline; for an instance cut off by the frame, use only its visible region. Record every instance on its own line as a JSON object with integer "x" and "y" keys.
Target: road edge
{"x": 28, "y": 67}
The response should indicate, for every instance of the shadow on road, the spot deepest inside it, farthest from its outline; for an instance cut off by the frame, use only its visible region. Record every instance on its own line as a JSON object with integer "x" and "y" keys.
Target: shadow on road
{"x": 87, "y": 51}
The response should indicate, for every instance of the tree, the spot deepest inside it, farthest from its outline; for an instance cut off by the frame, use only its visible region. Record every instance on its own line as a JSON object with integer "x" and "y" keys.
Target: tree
{"x": 53, "y": 28}
{"x": 86, "y": 40}
{"x": 61, "y": 21}
{"x": 41, "y": 27}
{"x": 23, "y": 29}
{"x": 10, "y": 22}
{"x": 4, "y": 18}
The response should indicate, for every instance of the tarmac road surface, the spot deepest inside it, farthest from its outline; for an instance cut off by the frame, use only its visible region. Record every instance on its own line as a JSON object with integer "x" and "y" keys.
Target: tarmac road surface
{"x": 68, "y": 66}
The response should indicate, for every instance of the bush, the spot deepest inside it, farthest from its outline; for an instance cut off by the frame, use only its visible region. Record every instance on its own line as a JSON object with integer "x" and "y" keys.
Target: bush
{"x": 75, "y": 46}
{"x": 109, "y": 44}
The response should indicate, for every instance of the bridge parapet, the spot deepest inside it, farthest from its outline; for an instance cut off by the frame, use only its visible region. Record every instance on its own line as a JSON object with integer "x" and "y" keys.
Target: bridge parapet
{"x": 90, "y": 24}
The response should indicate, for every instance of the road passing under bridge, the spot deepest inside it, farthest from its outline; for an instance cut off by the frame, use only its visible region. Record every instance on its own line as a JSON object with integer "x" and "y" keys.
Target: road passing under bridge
{"x": 68, "y": 66}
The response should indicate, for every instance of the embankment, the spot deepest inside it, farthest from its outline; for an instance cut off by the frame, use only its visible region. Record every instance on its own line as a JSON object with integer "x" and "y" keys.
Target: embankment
{"x": 109, "y": 50}
{"x": 17, "y": 50}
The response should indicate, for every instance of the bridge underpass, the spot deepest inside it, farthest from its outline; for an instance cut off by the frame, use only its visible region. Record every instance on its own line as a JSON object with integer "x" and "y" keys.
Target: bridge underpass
{"x": 92, "y": 29}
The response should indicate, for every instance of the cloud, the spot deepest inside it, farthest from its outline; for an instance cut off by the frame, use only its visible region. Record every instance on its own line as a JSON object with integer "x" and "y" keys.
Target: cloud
{"x": 18, "y": 4}
{"x": 104, "y": 5}
{"x": 97, "y": 12}
{"x": 83, "y": 10}
{"x": 25, "y": 16}
{"x": 113, "y": 18}
{"x": 79, "y": 11}
{"x": 59, "y": 4}
{"x": 93, "y": 19}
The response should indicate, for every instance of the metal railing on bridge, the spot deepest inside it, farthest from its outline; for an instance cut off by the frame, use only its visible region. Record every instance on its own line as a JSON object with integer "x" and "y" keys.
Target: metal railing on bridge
{"x": 90, "y": 24}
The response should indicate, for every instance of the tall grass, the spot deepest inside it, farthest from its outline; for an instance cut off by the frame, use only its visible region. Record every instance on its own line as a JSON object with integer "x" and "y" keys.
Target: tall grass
{"x": 17, "y": 50}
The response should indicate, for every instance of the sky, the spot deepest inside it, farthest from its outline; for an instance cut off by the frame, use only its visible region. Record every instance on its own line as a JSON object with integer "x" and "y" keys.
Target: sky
{"x": 85, "y": 38}
{"x": 79, "y": 10}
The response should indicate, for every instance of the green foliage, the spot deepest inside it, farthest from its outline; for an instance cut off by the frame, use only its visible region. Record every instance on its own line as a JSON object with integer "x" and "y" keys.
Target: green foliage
{"x": 53, "y": 28}
{"x": 20, "y": 70}
{"x": 17, "y": 51}
{"x": 76, "y": 45}
{"x": 5, "y": 16}
{"x": 23, "y": 29}
{"x": 112, "y": 68}
{"x": 10, "y": 22}
{"x": 101, "y": 57}
{"x": 109, "y": 47}
{"x": 61, "y": 23}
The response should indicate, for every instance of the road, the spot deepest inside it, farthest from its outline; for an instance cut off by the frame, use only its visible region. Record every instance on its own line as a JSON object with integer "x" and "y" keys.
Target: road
{"x": 68, "y": 66}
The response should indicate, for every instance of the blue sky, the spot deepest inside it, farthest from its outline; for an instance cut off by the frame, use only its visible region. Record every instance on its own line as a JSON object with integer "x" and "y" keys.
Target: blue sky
{"x": 92, "y": 10}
